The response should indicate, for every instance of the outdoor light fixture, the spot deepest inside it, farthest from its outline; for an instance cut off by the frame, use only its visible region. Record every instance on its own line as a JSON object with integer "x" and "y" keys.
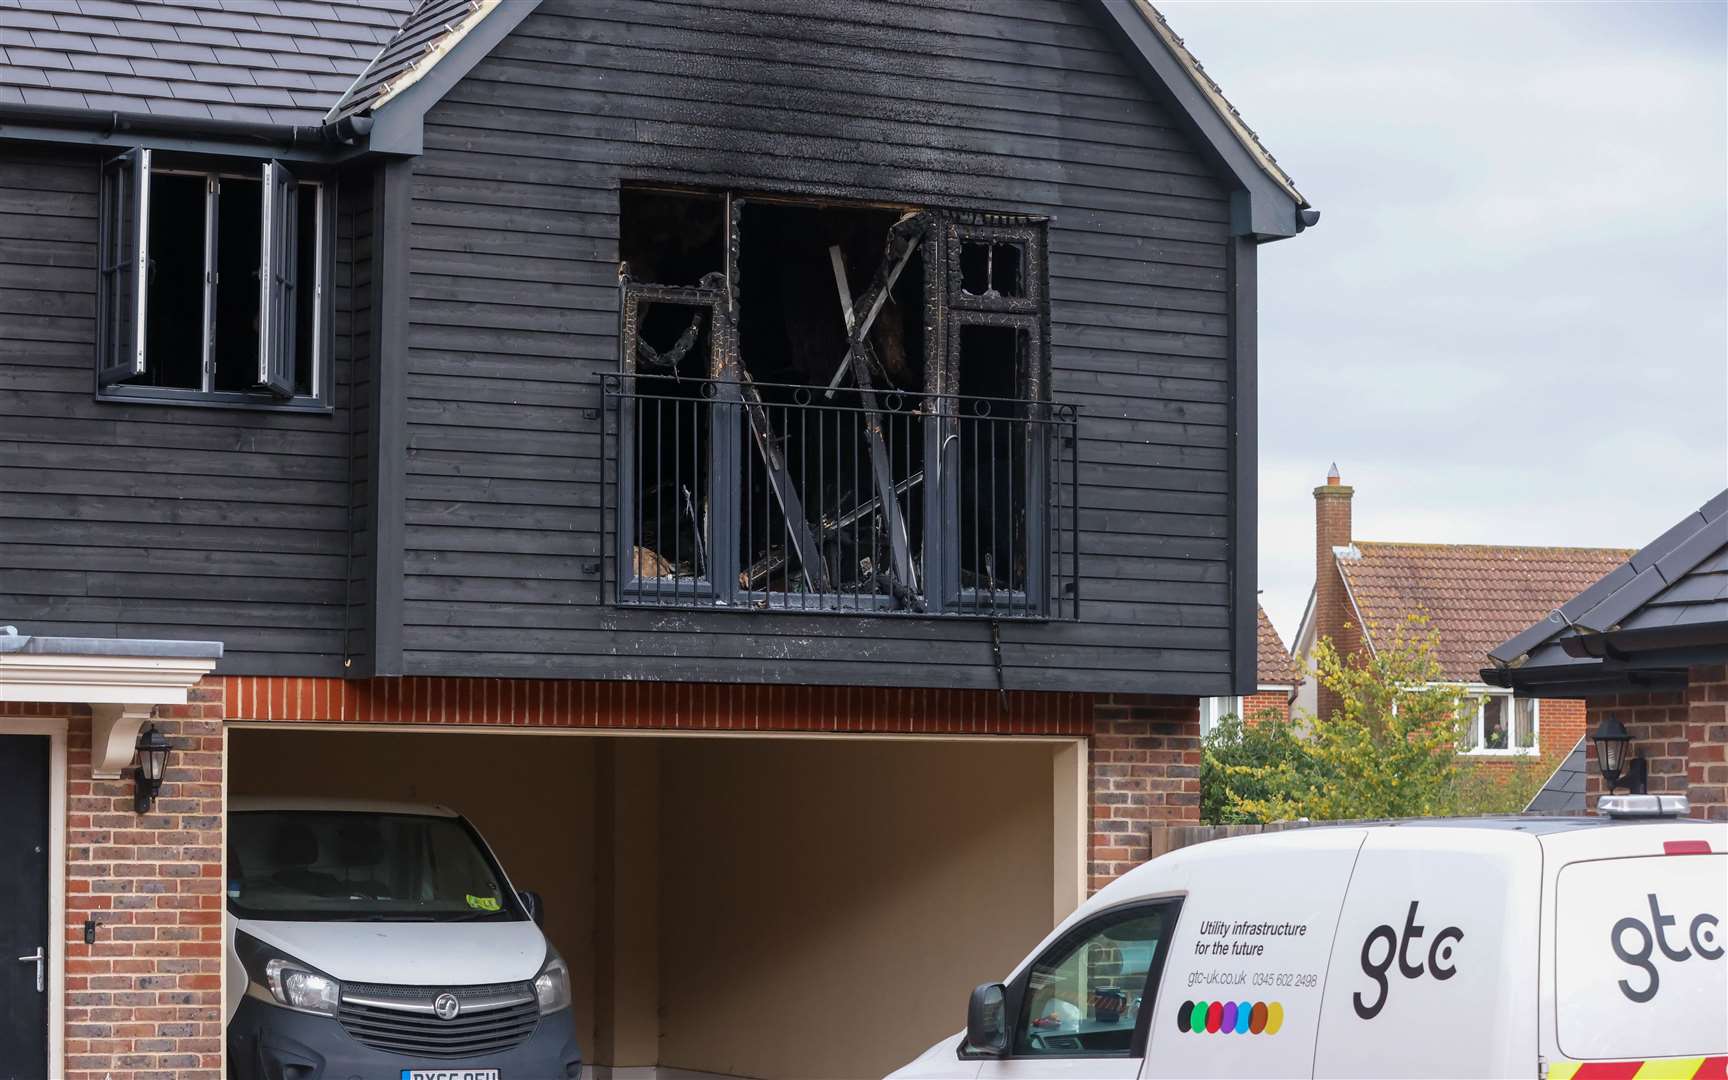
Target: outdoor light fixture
{"x": 153, "y": 750}
{"x": 1612, "y": 741}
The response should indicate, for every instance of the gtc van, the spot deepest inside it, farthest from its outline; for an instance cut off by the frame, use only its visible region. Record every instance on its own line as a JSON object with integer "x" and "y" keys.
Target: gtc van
{"x": 383, "y": 941}
{"x": 1563, "y": 948}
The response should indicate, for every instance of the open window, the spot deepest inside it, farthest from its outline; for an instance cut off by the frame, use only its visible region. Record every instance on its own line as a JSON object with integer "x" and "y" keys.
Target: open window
{"x": 211, "y": 283}
{"x": 829, "y": 407}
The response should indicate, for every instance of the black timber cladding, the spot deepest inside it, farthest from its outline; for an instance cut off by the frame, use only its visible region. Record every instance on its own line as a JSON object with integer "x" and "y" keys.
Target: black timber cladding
{"x": 160, "y": 521}
{"x": 513, "y": 308}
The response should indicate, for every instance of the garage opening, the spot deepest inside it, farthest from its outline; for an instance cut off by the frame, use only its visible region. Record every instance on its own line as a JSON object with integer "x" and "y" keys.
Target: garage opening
{"x": 750, "y": 907}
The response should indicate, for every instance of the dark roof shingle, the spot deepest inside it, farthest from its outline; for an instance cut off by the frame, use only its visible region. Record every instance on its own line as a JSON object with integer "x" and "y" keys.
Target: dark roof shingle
{"x": 148, "y": 49}
{"x": 1474, "y": 595}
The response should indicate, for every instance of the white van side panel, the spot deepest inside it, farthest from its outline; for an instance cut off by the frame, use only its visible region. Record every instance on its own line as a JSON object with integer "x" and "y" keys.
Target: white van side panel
{"x": 1434, "y": 971}
{"x": 1639, "y": 966}
{"x": 1242, "y": 983}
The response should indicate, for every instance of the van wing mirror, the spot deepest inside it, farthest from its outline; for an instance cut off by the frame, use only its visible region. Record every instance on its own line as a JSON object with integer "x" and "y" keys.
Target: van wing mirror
{"x": 532, "y": 904}
{"x": 987, "y": 1021}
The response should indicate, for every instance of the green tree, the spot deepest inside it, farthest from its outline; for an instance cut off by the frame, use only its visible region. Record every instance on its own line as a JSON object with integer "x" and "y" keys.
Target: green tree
{"x": 1391, "y": 748}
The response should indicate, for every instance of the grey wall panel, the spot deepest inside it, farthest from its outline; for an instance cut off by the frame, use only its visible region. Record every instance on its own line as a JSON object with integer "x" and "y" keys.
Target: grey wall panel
{"x": 513, "y": 307}
{"x": 144, "y": 520}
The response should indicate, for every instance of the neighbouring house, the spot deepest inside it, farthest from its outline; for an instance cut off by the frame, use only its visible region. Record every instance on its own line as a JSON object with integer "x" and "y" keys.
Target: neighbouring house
{"x": 1646, "y": 646}
{"x": 1275, "y": 683}
{"x": 1473, "y": 597}
{"x": 788, "y": 474}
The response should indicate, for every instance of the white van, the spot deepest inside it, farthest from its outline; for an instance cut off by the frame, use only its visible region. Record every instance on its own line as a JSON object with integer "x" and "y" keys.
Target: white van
{"x": 382, "y": 940}
{"x": 1565, "y": 948}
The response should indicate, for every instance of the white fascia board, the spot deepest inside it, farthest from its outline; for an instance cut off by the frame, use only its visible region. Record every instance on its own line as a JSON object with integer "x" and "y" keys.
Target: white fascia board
{"x": 99, "y": 680}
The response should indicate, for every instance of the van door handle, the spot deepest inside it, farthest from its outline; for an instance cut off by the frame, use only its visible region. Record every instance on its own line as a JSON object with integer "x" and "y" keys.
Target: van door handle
{"x": 38, "y": 958}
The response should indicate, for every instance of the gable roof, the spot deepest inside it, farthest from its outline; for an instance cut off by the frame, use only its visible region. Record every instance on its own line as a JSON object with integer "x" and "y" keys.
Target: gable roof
{"x": 1276, "y": 668}
{"x": 1267, "y": 206}
{"x": 1474, "y": 595}
{"x": 282, "y": 62}
{"x": 424, "y": 38}
{"x": 1220, "y": 104}
{"x": 1665, "y": 606}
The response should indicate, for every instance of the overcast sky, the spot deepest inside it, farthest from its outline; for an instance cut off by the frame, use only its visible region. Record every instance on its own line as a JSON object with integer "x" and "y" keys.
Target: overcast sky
{"x": 1511, "y": 325}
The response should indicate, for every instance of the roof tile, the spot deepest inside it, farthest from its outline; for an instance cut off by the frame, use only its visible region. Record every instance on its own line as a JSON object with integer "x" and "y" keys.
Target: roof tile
{"x": 42, "y": 95}
{"x": 1276, "y": 668}
{"x": 1474, "y": 596}
{"x": 218, "y": 45}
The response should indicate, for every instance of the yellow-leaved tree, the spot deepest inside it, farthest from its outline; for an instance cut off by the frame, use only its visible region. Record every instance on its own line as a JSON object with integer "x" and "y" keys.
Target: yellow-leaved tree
{"x": 1391, "y": 748}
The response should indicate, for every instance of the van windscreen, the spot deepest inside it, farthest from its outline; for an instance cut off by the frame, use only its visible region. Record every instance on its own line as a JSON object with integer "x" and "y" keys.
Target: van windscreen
{"x": 332, "y": 865}
{"x": 1639, "y": 967}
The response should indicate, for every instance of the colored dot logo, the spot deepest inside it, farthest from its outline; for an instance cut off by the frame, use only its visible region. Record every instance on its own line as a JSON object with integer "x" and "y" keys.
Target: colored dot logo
{"x": 1229, "y": 1017}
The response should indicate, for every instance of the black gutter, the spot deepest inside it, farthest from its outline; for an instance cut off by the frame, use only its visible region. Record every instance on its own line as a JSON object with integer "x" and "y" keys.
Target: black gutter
{"x": 345, "y": 132}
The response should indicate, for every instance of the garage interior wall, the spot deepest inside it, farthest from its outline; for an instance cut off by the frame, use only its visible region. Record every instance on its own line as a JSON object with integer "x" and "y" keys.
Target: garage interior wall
{"x": 747, "y": 907}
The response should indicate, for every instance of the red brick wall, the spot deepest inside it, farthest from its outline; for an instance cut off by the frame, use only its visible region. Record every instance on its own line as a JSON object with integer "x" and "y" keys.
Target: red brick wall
{"x": 1145, "y": 770}
{"x": 144, "y": 1002}
{"x": 1683, "y": 734}
{"x": 658, "y": 706}
{"x": 1257, "y": 706}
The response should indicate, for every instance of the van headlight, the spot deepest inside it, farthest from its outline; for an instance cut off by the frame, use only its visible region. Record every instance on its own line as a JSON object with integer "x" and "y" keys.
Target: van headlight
{"x": 278, "y": 979}
{"x": 552, "y": 985}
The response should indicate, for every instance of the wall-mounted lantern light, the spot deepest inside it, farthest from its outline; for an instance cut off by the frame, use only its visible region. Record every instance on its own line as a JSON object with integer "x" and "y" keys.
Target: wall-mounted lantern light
{"x": 1613, "y": 742}
{"x": 153, "y": 750}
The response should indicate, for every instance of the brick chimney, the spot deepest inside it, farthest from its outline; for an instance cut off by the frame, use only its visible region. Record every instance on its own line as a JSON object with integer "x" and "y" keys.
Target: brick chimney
{"x": 1332, "y": 615}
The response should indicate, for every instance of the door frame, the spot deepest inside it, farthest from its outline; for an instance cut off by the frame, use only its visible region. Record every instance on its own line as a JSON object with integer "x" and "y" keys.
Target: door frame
{"x": 55, "y": 729}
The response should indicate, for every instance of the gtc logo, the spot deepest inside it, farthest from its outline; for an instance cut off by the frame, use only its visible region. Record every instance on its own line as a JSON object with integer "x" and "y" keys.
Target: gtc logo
{"x": 1702, "y": 932}
{"x": 446, "y": 1006}
{"x": 1440, "y": 951}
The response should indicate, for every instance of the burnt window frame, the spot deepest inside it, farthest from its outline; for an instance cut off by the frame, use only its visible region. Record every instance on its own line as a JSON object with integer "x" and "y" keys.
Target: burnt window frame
{"x": 948, "y": 310}
{"x": 123, "y": 280}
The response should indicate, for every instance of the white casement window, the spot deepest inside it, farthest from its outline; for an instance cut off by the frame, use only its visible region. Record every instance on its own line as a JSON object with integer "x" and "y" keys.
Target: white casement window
{"x": 1501, "y": 724}
{"x": 212, "y": 282}
{"x": 1215, "y": 709}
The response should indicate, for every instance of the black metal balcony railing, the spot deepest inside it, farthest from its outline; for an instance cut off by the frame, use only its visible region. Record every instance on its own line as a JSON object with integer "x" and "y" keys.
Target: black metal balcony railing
{"x": 756, "y": 496}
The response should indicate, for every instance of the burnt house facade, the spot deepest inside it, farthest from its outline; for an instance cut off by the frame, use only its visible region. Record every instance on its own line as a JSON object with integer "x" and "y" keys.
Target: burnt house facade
{"x": 874, "y": 369}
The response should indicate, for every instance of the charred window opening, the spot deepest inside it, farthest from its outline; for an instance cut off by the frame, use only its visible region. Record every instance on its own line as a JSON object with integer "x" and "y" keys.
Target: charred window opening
{"x": 830, "y": 407}
{"x": 994, "y": 446}
{"x": 990, "y": 270}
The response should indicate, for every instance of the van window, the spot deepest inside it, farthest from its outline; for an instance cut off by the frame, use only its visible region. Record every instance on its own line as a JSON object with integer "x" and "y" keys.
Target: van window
{"x": 1084, "y": 996}
{"x": 296, "y": 865}
{"x": 1639, "y": 966}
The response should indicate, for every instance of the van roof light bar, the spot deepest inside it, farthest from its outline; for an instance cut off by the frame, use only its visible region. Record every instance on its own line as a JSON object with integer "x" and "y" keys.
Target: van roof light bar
{"x": 1643, "y": 806}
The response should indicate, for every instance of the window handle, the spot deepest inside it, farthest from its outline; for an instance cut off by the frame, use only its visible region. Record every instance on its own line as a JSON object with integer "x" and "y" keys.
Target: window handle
{"x": 39, "y": 957}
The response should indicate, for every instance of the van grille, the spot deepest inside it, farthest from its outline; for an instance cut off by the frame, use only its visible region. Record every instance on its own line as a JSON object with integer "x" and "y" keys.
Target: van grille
{"x": 399, "y": 1019}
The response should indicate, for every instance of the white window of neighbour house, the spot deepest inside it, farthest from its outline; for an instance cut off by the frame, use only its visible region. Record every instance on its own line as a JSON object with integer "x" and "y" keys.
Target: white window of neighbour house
{"x": 1502, "y": 724}
{"x": 1213, "y": 710}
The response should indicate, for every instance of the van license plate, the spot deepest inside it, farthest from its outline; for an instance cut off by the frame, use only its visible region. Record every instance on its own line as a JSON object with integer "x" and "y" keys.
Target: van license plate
{"x": 449, "y": 1074}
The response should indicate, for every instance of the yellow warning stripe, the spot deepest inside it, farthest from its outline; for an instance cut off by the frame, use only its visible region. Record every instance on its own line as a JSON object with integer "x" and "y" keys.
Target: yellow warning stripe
{"x": 1659, "y": 1069}
{"x": 1670, "y": 1069}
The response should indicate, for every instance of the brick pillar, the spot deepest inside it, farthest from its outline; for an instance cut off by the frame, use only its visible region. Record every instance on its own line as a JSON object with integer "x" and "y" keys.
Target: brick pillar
{"x": 1683, "y": 734}
{"x": 1144, "y": 771}
{"x": 146, "y": 999}
{"x": 1707, "y": 741}
{"x": 1333, "y": 617}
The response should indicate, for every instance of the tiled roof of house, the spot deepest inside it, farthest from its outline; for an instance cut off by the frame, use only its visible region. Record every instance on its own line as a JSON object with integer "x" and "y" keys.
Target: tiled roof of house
{"x": 1474, "y": 595}
{"x": 422, "y": 39}
{"x": 261, "y": 61}
{"x": 1276, "y": 666}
